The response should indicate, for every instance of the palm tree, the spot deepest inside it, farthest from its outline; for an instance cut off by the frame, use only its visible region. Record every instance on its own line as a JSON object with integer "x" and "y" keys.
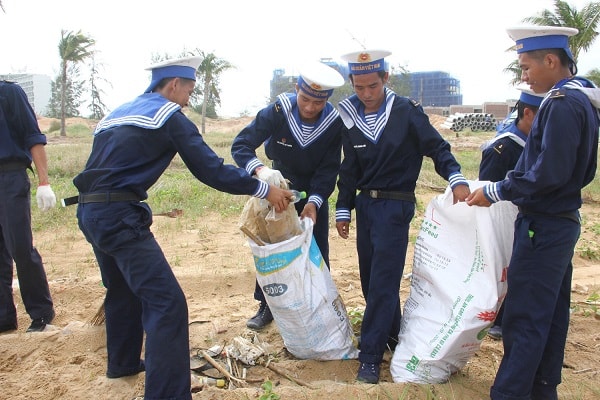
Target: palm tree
{"x": 594, "y": 76}
{"x": 586, "y": 21}
{"x": 209, "y": 71}
{"x": 72, "y": 48}
{"x": 514, "y": 70}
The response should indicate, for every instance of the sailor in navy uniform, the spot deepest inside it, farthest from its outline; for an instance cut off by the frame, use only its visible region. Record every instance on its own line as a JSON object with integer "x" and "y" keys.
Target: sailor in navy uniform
{"x": 301, "y": 133}
{"x": 500, "y": 155}
{"x": 132, "y": 147}
{"x": 385, "y": 139}
{"x": 558, "y": 160}
{"x": 21, "y": 143}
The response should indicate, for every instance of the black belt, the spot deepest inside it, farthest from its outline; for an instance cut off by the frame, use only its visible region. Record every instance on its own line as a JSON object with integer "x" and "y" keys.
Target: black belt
{"x": 101, "y": 197}
{"x": 380, "y": 194}
{"x": 572, "y": 215}
{"x": 12, "y": 166}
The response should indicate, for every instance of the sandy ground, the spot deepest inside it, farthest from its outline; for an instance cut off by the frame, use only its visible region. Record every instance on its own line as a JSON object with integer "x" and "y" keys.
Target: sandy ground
{"x": 215, "y": 268}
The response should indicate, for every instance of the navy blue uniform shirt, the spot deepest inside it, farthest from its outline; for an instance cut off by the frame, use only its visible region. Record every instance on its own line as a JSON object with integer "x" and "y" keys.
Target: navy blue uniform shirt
{"x": 19, "y": 130}
{"x": 132, "y": 158}
{"x": 310, "y": 163}
{"x": 393, "y": 161}
{"x": 501, "y": 154}
{"x": 559, "y": 158}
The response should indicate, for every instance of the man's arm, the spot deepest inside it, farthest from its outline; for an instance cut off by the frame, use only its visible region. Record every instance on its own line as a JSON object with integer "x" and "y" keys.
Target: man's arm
{"x": 38, "y": 154}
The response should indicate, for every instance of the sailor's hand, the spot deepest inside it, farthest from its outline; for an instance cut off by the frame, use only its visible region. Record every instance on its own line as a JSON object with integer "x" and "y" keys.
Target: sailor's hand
{"x": 279, "y": 198}
{"x": 343, "y": 227}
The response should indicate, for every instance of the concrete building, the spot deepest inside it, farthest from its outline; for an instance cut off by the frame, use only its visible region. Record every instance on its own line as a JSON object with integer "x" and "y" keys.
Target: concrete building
{"x": 435, "y": 89}
{"x": 36, "y": 86}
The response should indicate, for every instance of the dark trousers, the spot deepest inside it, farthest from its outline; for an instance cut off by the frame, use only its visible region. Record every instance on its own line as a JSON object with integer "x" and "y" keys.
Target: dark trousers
{"x": 498, "y": 320}
{"x": 382, "y": 238}
{"x": 320, "y": 233}
{"x": 16, "y": 243}
{"x": 142, "y": 294}
{"x": 536, "y": 308}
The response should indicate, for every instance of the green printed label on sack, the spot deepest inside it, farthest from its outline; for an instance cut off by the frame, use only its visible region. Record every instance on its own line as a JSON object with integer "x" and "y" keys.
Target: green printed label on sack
{"x": 429, "y": 228}
{"x": 276, "y": 262}
{"x": 412, "y": 364}
{"x": 449, "y": 327}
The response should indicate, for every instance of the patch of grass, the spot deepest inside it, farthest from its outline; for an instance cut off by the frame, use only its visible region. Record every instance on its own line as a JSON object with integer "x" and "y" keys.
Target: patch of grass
{"x": 268, "y": 394}
{"x": 54, "y": 126}
{"x": 588, "y": 249}
{"x": 356, "y": 315}
{"x": 589, "y": 307}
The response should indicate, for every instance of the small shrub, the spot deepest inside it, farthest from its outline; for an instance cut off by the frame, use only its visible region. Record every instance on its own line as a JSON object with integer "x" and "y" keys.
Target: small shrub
{"x": 267, "y": 386}
{"x": 54, "y": 126}
{"x": 356, "y": 315}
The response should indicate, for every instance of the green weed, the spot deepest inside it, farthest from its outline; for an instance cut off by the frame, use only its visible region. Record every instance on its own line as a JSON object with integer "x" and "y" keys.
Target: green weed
{"x": 267, "y": 386}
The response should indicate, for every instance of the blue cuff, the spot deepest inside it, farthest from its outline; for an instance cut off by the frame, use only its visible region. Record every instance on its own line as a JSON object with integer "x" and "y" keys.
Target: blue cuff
{"x": 456, "y": 179}
{"x": 492, "y": 192}
{"x": 342, "y": 214}
{"x": 316, "y": 200}
{"x": 252, "y": 165}
{"x": 262, "y": 190}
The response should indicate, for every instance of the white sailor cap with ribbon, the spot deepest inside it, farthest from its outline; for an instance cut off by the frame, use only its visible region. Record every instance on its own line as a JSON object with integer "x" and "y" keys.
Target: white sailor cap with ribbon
{"x": 529, "y": 38}
{"x": 318, "y": 80}
{"x": 366, "y": 61}
{"x": 528, "y": 96}
{"x": 184, "y": 67}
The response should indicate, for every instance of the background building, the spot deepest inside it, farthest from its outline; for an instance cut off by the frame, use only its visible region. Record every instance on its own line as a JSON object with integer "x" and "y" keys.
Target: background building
{"x": 431, "y": 89}
{"x": 435, "y": 89}
{"x": 37, "y": 87}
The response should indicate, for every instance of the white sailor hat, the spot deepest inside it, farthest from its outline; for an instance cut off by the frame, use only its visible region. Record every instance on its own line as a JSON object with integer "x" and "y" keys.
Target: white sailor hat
{"x": 184, "y": 67}
{"x": 528, "y": 96}
{"x": 318, "y": 79}
{"x": 529, "y": 38}
{"x": 366, "y": 61}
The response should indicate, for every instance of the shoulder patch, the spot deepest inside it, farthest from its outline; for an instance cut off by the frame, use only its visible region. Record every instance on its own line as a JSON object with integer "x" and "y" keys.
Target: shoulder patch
{"x": 499, "y": 148}
{"x": 278, "y": 107}
{"x": 415, "y": 103}
{"x": 557, "y": 93}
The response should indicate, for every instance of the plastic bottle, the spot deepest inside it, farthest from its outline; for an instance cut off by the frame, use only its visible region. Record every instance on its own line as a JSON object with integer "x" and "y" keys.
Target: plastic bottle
{"x": 206, "y": 381}
{"x": 297, "y": 196}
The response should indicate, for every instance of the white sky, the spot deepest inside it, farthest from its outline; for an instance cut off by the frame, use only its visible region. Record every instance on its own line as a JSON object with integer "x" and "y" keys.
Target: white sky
{"x": 466, "y": 38}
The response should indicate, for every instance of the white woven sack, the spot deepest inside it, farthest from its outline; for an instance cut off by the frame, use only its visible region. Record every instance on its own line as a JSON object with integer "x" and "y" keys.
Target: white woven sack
{"x": 303, "y": 298}
{"x": 458, "y": 283}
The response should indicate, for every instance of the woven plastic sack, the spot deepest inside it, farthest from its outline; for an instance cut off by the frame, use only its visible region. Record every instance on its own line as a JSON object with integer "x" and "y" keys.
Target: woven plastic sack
{"x": 458, "y": 283}
{"x": 306, "y": 306}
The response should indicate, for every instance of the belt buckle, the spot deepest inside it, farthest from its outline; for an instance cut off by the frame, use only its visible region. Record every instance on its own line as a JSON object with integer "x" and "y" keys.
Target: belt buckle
{"x": 373, "y": 194}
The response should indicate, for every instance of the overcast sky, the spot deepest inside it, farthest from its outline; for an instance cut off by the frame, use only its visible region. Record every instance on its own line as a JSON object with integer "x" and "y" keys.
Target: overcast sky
{"x": 466, "y": 38}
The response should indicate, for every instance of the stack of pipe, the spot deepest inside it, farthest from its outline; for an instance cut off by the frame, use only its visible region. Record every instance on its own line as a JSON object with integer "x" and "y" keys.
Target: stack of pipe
{"x": 475, "y": 121}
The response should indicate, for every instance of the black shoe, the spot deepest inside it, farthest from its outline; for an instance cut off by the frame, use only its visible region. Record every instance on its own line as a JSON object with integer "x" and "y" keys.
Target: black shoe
{"x": 262, "y": 318}
{"x": 8, "y": 327}
{"x": 39, "y": 324}
{"x": 115, "y": 375}
{"x": 368, "y": 373}
{"x": 495, "y": 332}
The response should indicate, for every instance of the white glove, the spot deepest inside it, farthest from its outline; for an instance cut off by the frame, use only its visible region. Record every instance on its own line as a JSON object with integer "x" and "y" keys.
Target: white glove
{"x": 46, "y": 199}
{"x": 271, "y": 176}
